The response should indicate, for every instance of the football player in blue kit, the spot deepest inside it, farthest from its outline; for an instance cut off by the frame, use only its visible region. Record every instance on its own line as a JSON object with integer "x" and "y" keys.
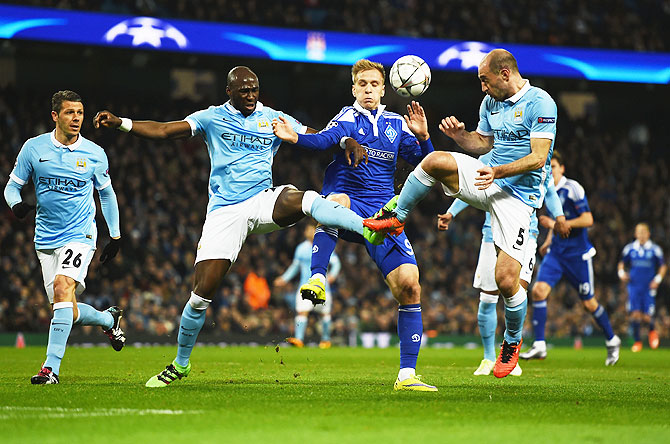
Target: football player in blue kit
{"x": 242, "y": 199}
{"x": 646, "y": 270}
{"x": 302, "y": 259}
{"x": 570, "y": 257}
{"x": 386, "y": 136}
{"x": 484, "y": 281}
{"x": 517, "y": 122}
{"x": 65, "y": 167}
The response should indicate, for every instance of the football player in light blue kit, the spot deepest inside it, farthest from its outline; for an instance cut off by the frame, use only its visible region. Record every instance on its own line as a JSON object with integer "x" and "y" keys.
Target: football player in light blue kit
{"x": 65, "y": 167}
{"x": 242, "y": 200}
{"x": 484, "y": 280}
{"x": 570, "y": 257}
{"x": 646, "y": 270}
{"x": 386, "y": 136}
{"x": 302, "y": 262}
{"x": 517, "y": 122}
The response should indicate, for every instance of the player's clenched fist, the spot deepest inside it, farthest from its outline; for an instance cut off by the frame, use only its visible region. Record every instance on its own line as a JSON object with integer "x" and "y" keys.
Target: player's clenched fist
{"x": 106, "y": 119}
{"x": 451, "y": 126}
{"x": 443, "y": 221}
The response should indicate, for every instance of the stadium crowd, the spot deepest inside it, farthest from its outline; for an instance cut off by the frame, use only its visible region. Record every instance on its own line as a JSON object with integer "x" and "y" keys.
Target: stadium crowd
{"x": 161, "y": 188}
{"x": 641, "y": 25}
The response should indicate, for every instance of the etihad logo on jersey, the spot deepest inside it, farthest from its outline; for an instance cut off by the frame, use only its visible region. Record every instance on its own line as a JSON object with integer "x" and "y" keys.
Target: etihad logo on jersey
{"x": 243, "y": 140}
{"x": 546, "y": 120}
{"x": 62, "y": 184}
{"x": 510, "y": 136}
{"x": 379, "y": 154}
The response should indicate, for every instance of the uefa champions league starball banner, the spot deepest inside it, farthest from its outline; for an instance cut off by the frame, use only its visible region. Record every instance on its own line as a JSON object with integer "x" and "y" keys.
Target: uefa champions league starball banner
{"x": 337, "y": 48}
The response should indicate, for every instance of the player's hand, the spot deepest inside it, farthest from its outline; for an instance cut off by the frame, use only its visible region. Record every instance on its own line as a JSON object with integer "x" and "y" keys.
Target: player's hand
{"x": 416, "y": 121}
{"x": 485, "y": 178}
{"x": 110, "y": 250}
{"x": 544, "y": 248}
{"x": 351, "y": 146}
{"x": 107, "y": 119}
{"x": 283, "y": 130}
{"x": 22, "y": 209}
{"x": 561, "y": 227}
{"x": 279, "y": 282}
{"x": 652, "y": 286}
{"x": 443, "y": 221}
{"x": 625, "y": 277}
{"x": 452, "y": 127}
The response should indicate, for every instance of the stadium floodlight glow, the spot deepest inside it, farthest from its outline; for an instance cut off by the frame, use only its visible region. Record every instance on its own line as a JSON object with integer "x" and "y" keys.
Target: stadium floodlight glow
{"x": 337, "y": 48}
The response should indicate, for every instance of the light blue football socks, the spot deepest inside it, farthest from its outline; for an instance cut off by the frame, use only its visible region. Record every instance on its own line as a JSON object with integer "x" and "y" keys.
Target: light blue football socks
{"x": 90, "y": 316}
{"x": 487, "y": 319}
{"x": 192, "y": 320}
{"x": 59, "y": 332}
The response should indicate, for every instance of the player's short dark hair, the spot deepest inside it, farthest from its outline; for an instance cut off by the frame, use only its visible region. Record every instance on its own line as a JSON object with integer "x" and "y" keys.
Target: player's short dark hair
{"x": 558, "y": 158}
{"x": 63, "y": 96}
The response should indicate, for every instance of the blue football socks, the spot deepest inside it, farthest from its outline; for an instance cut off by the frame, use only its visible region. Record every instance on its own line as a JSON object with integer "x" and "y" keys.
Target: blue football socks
{"x": 90, "y": 316}
{"x": 191, "y": 323}
{"x": 323, "y": 245}
{"x": 600, "y": 315}
{"x": 59, "y": 332}
{"x": 539, "y": 319}
{"x": 635, "y": 326}
{"x": 417, "y": 185}
{"x": 335, "y": 215}
{"x": 410, "y": 331}
{"x": 487, "y": 319}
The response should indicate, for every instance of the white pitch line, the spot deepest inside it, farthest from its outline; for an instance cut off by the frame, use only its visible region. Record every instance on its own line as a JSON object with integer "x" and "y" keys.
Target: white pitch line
{"x": 9, "y": 412}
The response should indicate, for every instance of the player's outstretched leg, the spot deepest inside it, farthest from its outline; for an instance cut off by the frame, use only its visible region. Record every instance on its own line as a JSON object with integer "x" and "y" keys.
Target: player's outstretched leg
{"x": 192, "y": 320}
{"x": 59, "y": 332}
{"x": 108, "y": 320}
{"x": 487, "y": 319}
{"x": 613, "y": 343}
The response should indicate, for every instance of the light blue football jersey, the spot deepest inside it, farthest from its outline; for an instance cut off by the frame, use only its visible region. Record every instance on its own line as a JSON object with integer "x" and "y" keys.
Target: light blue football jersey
{"x": 302, "y": 261}
{"x": 530, "y": 113}
{"x": 241, "y": 150}
{"x": 64, "y": 177}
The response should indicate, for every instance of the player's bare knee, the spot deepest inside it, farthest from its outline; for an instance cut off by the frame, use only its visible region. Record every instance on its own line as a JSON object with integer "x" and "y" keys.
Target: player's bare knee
{"x": 439, "y": 163}
{"x": 341, "y": 199}
{"x": 409, "y": 293}
{"x": 591, "y": 304}
{"x": 288, "y": 207}
{"x": 541, "y": 291}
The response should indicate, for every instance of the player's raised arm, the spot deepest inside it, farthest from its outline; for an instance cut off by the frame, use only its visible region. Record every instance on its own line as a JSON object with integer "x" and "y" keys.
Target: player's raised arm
{"x": 471, "y": 141}
{"x": 144, "y": 128}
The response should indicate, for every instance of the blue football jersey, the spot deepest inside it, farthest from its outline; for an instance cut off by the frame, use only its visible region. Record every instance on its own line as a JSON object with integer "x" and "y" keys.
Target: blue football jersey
{"x": 643, "y": 262}
{"x": 64, "y": 177}
{"x": 241, "y": 150}
{"x": 529, "y": 114}
{"x": 302, "y": 262}
{"x": 385, "y": 136}
{"x": 574, "y": 201}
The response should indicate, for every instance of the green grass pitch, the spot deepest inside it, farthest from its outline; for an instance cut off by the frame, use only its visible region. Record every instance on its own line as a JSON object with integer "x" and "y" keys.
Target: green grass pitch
{"x": 341, "y": 395}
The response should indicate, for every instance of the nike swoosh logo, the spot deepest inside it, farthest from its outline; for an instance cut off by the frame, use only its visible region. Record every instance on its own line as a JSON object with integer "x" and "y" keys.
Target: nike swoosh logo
{"x": 494, "y": 113}
{"x": 44, "y": 160}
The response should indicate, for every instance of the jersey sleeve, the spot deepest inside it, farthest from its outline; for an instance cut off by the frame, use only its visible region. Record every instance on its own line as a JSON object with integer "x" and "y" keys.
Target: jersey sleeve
{"x": 295, "y": 124}
{"x": 340, "y": 126}
{"x": 578, "y": 196}
{"x": 625, "y": 255}
{"x": 410, "y": 148}
{"x": 457, "y": 206}
{"x": 543, "y": 114}
{"x": 101, "y": 179}
{"x": 23, "y": 167}
{"x": 484, "y": 127}
{"x": 658, "y": 254}
{"x": 552, "y": 201}
{"x": 199, "y": 120}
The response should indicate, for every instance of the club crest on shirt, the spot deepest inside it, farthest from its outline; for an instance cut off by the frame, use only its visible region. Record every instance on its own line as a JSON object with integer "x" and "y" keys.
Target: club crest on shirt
{"x": 263, "y": 124}
{"x": 81, "y": 164}
{"x": 390, "y": 133}
{"x": 518, "y": 115}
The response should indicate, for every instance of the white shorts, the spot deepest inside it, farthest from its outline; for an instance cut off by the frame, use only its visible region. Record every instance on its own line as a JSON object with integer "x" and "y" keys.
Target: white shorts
{"x": 485, "y": 274}
{"x": 305, "y": 305}
{"x": 71, "y": 260}
{"x": 226, "y": 228}
{"x": 528, "y": 264}
{"x": 510, "y": 217}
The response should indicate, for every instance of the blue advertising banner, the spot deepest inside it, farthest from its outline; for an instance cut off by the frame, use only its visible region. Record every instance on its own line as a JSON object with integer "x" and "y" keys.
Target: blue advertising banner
{"x": 336, "y": 48}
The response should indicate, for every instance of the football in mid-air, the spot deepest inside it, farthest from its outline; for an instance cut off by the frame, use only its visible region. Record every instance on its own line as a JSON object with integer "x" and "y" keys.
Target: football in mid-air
{"x": 409, "y": 76}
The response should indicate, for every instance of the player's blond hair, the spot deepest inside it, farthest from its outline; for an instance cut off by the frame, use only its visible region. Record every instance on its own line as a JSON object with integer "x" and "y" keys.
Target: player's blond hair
{"x": 365, "y": 65}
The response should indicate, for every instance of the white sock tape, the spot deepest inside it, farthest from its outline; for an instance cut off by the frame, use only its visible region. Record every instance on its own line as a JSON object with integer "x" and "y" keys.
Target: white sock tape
{"x": 198, "y": 303}
{"x": 424, "y": 177}
{"x": 59, "y": 305}
{"x": 308, "y": 200}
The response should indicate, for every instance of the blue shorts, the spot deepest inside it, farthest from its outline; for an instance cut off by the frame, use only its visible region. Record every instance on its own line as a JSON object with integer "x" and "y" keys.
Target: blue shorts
{"x": 642, "y": 299}
{"x": 395, "y": 251}
{"x": 577, "y": 270}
